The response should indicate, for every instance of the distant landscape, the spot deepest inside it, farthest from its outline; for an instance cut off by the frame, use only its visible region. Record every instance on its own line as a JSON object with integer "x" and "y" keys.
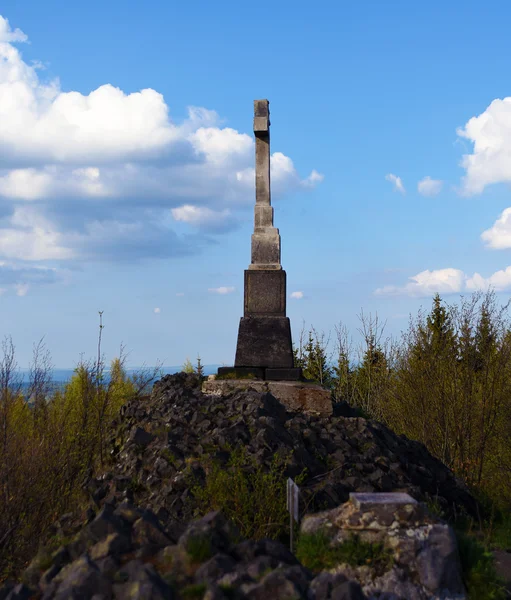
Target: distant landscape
{"x": 61, "y": 376}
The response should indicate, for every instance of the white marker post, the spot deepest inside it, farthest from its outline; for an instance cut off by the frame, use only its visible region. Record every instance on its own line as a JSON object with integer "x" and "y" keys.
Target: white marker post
{"x": 293, "y": 492}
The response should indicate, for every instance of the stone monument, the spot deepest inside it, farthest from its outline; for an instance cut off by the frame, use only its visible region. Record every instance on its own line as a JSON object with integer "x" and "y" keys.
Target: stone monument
{"x": 264, "y": 352}
{"x": 264, "y": 347}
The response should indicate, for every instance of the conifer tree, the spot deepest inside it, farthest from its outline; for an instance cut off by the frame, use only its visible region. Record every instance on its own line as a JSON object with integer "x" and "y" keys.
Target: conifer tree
{"x": 342, "y": 377}
{"x": 199, "y": 369}
{"x": 311, "y": 356}
{"x": 369, "y": 378}
{"x": 315, "y": 360}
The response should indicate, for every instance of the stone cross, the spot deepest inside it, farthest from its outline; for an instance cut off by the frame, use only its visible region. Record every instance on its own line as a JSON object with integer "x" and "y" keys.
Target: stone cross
{"x": 266, "y": 238}
{"x": 264, "y": 347}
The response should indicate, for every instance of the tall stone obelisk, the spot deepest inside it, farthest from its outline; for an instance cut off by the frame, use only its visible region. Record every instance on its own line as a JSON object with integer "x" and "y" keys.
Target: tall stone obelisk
{"x": 264, "y": 346}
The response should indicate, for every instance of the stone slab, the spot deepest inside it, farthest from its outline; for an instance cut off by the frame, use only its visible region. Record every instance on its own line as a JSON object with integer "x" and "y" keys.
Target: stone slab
{"x": 264, "y": 342}
{"x": 295, "y": 396}
{"x": 366, "y": 501}
{"x": 240, "y": 372}
{"x": 293, "y": 374}
{"x": 265, "y": 294}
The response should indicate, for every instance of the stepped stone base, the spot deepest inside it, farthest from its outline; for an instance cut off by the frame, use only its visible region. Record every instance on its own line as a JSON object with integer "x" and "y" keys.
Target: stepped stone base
{"x": 294, "y": 395}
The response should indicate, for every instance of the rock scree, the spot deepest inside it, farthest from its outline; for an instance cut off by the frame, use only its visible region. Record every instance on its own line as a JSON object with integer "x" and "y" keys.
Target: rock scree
{"x": 142, "y": 538}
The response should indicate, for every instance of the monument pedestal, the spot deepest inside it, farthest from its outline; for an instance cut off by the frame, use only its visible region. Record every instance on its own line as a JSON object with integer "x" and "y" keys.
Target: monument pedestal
{"x": 296, "y": 396}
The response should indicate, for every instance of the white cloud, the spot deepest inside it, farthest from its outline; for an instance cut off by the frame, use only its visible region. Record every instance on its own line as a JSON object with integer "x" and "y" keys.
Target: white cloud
{"x": 36, "y": 244}
{"x": 313, "y": 179}
{"x": 396, "y": 181}
{"x": 202, "y": 216}
{"x": 426, "y": 283}
{"x": 500, "y": 281}
{"x": 221, "y": 290}
{"x": 9, "y": 35}
{"x": 179, "y": 294}
{"x": 448, "y": 281}
{"x": 81, "y": 158}
{"x": 222, "y": 146}
{"x": 429, "y": 187}
{"x": 157, "y": 311}
{"x": 490, "y": 161}
{"x": 297, "y": 295}
{"x": 499, "y": 235}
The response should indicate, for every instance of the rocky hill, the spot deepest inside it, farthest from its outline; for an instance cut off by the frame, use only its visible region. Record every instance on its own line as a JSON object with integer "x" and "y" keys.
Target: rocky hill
{"x": 138, "y": 539}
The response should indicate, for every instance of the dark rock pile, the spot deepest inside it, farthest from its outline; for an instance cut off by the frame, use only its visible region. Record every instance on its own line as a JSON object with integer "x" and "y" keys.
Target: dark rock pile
{"x": 158, "y": 443}
{"x": 155, "y": 436}
{"x": 124, "y": 553}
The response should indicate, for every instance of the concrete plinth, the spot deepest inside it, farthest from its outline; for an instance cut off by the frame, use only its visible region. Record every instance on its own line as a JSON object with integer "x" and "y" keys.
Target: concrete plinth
{"x": 295, "y": 396}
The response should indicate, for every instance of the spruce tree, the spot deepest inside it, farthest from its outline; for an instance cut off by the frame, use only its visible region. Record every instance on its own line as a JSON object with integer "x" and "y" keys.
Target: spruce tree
{"x": 199, "y": 369}
{"x": 342, "y": 378}
{"x": 315, "y": 362}
{"x": 370, "y": 377}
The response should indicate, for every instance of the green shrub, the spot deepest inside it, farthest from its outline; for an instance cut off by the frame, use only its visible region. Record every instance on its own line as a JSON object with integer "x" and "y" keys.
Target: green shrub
{"x": 501, "y": 532}
{"x": 315, "y": 552}
{"x": 478, "y": 567}
{"x": 249, "y": 496}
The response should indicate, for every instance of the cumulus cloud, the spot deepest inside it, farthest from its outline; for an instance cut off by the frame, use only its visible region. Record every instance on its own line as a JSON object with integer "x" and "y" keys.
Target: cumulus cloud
{"x": 425, "y": 283}
{"x": 157, "y": 311}
{"x": 221, "y": 290}
{"x": 396, "y": 181}
{"x": 448, "y": 281}
{"x": 109, "y": 174}
{"x": 500, "y": 281}
{"x": 297, "y": 295}
{"x": 490, "y": 160}
{"x": 204, "y": 217}
{"x": 499, "y": 235}
{"x": 429, "y": 187}
{"x": 10, "y": 35}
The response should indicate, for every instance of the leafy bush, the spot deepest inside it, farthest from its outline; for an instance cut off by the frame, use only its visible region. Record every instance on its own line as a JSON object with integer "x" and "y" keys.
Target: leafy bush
{"x": 50, "y": 445}
{"x": 478, "y": 566}
{"x": 249, "y": 496}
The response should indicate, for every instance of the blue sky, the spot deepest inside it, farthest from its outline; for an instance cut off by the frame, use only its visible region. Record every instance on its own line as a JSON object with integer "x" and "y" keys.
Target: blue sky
{"x": 126, "y": 166}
